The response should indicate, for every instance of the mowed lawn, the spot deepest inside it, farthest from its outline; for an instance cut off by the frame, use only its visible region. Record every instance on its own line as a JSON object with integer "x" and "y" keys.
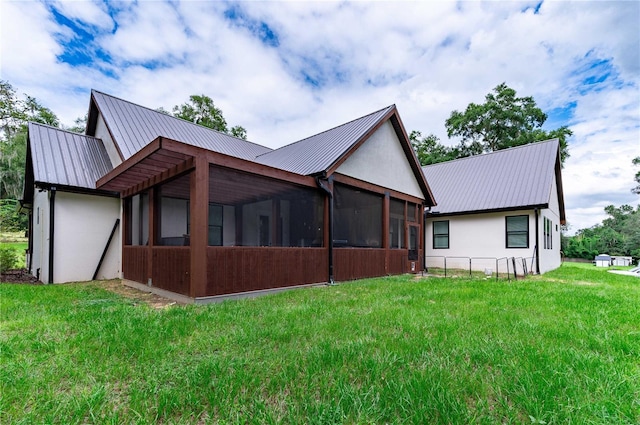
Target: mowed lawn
{"x": 557, "y": 349}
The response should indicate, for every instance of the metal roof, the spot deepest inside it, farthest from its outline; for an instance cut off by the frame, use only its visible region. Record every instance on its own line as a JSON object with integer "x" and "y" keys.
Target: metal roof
{"x": 65, "y": 158}
{"x": 133, "y": 127}
{"x": 318, "y": 153}
{"x": 501, "y": 180}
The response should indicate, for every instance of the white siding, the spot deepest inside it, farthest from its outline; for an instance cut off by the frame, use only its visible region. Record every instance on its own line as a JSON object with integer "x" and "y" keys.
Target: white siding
{"x": 550, "y": 258}
{"x": 382, "y": 161}
{"x": 82, "y": 227}
{"x": 482, "y": 237}
{"x": 40, "y": 235}
{"x": 478, "y": 236}
{"x": 103, "y": 133}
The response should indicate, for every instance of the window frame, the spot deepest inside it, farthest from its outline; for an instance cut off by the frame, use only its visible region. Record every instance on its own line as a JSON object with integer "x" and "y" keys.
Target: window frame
{"x": 434, "y": 234}
{"x": 512, "y": 232}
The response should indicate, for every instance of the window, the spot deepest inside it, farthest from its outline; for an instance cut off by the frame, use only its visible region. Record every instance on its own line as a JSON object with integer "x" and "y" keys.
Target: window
{"x": 252, "y": 210}
{"x": 517, "y": 231}
{"x": 215, "y": 224}
{"x": 548, "y": 240}
{"x": 396, "y": 224}
{"x": 413, "y": 243}
{"x": 137, "y": 216}
{"x": 441, "y": 234}
{"x": 357, "y": 218}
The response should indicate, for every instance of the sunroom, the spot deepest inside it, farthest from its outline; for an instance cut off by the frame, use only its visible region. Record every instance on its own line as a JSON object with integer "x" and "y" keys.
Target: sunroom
{"x": 204, "y": 224}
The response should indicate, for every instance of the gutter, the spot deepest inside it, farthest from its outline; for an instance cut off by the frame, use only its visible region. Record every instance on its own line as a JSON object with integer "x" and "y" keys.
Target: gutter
{"x": 537, "y": 249}
{"x": 323, "y": 183}
{"x": 52, "y": 208}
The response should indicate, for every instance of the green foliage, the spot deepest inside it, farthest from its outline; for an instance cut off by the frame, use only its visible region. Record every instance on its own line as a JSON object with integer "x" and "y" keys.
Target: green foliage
{"x": 201, "y": 110}
{"x": 559, "y": 350}
{"x": 11, "y": 220}
{"x": 429, "y": 150}
{"x": 8, "y": 258}
{"x": 503, "y": 121}
{"x": 15, "y": 113}
{"x": 618, "y": 234}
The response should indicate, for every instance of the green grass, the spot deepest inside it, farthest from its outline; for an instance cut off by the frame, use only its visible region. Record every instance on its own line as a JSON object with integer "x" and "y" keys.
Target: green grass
{"x": 563, "y": 348}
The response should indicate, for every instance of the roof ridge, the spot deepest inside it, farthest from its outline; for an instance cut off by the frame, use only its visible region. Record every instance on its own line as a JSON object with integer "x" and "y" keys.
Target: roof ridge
{"x": 485, "y": 154}
{"x": 330, "y": 129}
{"x": 63, "y": 130}
{"x": 177, "y": 118}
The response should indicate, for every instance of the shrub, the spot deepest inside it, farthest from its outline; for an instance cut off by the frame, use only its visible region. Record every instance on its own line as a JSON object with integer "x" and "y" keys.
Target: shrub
{"x": 8, "y": 258}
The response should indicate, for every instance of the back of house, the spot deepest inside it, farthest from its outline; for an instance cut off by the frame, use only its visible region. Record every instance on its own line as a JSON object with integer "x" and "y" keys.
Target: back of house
{"x": 181, "y": 208}
{"x": 497, "y": 207}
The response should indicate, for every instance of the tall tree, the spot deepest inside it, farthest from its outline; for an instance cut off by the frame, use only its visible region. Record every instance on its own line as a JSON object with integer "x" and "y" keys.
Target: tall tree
{"x": 15, "y": 113}
{"x": 201, "y": 110}
{"x": 636, "y": 190}
{"x": 502, "y": 121}
{"x": 429, "y": 150}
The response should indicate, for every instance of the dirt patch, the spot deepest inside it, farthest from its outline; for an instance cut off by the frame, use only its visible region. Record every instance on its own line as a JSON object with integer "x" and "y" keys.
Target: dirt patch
{"x": 136, "y": 295}
{"x": 19, "y": 276}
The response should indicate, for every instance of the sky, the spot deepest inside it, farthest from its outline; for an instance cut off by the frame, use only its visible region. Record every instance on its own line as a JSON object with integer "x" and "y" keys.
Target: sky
{"x": 288, "y": 70}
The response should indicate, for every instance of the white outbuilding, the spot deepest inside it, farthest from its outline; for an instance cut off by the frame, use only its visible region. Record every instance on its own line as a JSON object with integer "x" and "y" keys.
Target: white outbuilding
{"x": 602, "y": 260}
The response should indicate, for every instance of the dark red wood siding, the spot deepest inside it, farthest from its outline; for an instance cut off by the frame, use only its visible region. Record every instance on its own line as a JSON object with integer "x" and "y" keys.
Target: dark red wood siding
{"x": 239, "y": 269}
{"x": 171, "y": 268}
{"x": 357, "y": 263}
{"x": 134, "y": 263}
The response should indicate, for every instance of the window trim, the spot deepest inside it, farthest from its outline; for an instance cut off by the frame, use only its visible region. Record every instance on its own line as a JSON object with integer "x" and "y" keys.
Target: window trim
{"x": 434, "y": 234}
{"x": 507, "y": 232}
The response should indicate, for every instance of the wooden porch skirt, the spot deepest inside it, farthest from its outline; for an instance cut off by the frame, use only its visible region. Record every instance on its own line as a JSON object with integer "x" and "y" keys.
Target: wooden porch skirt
{"x": 231, "y": 270}
{"x": 240, "y": 269}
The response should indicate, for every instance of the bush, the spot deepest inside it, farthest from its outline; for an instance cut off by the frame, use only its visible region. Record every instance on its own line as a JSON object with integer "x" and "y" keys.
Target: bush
{"x": 11, "y": 219}
{"x": 8, "y": 258}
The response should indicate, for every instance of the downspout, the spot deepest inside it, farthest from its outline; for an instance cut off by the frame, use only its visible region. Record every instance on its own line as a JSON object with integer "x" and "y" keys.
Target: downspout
{"x": 537, "y": 249}
{"x": 322, "y": 184}
{"x": 52, "y": 208}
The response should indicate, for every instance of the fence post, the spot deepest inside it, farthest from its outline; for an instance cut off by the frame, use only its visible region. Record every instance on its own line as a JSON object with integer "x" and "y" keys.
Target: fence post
{"x": 515, "y": 271}
{"x": 445, "y": 266}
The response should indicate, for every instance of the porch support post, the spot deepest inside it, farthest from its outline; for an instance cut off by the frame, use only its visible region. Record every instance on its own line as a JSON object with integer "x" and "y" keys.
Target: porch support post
{"x": 198, "y": 233}
{"x": 385, "y": 230}
{"x": 152, "y": 214}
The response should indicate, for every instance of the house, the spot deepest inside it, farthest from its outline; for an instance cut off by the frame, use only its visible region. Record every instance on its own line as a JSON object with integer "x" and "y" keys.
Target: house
{"x": 191, "y": 212}
{"x": 497, "y": 208}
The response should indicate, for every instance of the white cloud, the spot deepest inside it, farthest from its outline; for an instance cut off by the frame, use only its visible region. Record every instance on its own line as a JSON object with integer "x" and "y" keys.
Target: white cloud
{"x": 427, "y": 57}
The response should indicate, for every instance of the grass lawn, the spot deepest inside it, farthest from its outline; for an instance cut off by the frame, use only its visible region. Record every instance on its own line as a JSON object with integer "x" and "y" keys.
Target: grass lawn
{"x": 557, "y": 349}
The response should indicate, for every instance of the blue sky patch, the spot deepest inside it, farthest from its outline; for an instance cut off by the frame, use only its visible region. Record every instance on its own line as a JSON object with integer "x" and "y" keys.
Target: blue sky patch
{"x": 257, "y": 28}
{"x": 535, "y": 8}
{"x": 558, "y": 117}
{"x": 80, "y": 49}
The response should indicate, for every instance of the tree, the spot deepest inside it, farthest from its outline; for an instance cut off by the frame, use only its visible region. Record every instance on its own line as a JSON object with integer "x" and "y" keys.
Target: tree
{"x": 201, "y": 110}
{"x": 15, "y": 113}
{"x": 636, "y": 190}
{"x": 429, "y": 150}
{"x": 618, "y": 234}
{"x": 501, "y": 122}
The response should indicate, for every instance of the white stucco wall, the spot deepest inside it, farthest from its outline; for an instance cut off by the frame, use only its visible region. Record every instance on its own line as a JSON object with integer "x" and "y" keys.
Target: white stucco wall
{"x": 550, "y": 258}
{"x": 40, "y": 234}
{"x": 381, "y": 161}
{"x": 103, "y": 133}
{"x": 483, "y": 236}
{"x": 478, "y": 236}
{"x": 82, "y": 227}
